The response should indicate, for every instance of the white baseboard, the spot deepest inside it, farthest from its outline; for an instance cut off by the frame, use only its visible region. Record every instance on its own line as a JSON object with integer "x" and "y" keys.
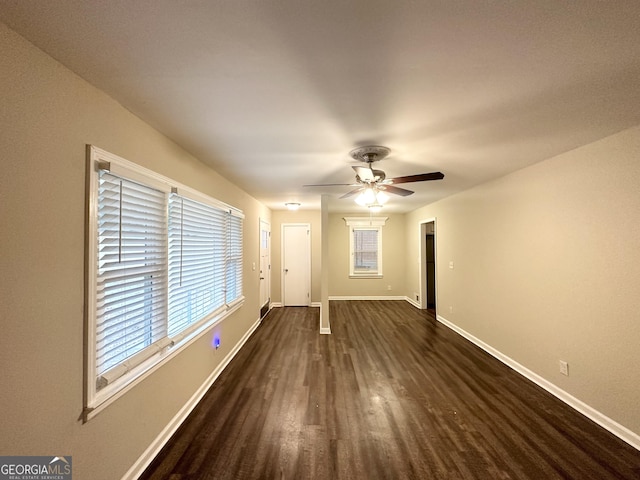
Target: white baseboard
{"x": 412, "y": 302}
{"x": 605, "y": 422}
{"x": 323, "y": 330}
{"x": 312, "y": 304}
{"x": 371, "y": 297}
{"x": 152, "y": 450}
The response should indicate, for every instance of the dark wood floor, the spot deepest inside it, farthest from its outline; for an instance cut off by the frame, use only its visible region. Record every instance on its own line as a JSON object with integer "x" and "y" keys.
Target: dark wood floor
{"x": 391, "y": 394}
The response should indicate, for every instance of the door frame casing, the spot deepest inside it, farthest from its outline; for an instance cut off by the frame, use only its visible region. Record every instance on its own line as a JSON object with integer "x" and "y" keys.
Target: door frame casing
{"x": 282, "y": 259}
{"x": 422, "y": 231}
{"x": 267, "y": 223}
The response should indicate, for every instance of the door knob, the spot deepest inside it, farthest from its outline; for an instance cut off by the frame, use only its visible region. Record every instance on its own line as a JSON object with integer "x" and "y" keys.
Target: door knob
{"x": 286, "y": 270}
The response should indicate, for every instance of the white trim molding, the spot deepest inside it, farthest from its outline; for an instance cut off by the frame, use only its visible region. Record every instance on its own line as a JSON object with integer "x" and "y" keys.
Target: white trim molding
{"x": 323, "y": 330}
{"x": 152, "y": 450}
{"x": 412, "y": 302}
{"x": 422, "y": 261}
{"x": 360, "y": 225}
{"x": 367, "y": 297}
{"x": 365, "y": 221}
{"x": 605, "y": 422}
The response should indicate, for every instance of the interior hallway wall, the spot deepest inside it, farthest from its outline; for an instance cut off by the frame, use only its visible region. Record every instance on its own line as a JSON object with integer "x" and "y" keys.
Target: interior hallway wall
{"x": 547, "y": 268}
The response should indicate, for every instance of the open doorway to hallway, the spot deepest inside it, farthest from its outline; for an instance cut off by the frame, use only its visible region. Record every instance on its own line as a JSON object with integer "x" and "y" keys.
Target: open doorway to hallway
{"x": 431, "y": 271}
{"x": 428, "y": 266}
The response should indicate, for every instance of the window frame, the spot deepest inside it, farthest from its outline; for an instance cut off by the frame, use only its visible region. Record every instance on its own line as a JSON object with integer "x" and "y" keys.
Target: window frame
{"x": 136, "y": 367}
{"x": 365, "y": 223}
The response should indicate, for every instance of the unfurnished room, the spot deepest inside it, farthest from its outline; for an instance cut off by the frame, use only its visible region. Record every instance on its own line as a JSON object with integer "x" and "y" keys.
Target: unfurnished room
{"x": 319, "y": 240}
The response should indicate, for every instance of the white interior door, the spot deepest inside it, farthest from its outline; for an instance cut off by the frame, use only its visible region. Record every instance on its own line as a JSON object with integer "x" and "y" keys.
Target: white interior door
{"x": 296, "y": 264}
{"x": 265, "y": 266}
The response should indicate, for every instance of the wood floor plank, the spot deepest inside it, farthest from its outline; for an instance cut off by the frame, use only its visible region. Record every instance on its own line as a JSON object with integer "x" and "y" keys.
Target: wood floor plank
{"x": 391, "y": 394}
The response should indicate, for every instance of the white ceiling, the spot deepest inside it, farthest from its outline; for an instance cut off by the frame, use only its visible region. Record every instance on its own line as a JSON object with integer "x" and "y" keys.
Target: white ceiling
{"x": 273, "y": 94}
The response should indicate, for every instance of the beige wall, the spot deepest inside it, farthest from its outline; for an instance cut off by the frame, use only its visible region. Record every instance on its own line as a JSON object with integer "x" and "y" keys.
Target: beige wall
{"x": 48, "y": 115}
{"x": 547, "y": 267}
{"x": 280, "y": 217}
{"x": 393, "y": 259}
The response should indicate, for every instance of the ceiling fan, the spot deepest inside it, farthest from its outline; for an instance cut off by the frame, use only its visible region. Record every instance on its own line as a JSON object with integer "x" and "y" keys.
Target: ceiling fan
{"x": 372, "y": 184}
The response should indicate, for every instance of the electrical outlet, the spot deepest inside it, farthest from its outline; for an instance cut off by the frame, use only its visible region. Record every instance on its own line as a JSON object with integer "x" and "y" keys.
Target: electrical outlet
{"x": 450, "y": 308}
{"x": 389, "y": 287}
{"x": 564, "y": 368}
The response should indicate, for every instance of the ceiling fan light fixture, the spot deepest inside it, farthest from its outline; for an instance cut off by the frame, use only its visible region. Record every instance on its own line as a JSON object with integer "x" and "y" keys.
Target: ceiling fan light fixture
{"x": 371, "y": 196}
{"x": 293, "y": 206}
{"x": 375, "y": 207}
{"x": 382, "y": 197}
{"x": 366, "y": 197}
{"x": 360, "y": 200}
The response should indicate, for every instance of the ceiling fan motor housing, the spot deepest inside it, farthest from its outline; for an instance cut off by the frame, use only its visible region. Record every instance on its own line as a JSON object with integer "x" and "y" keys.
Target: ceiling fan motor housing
{"x": 370, "y": 153}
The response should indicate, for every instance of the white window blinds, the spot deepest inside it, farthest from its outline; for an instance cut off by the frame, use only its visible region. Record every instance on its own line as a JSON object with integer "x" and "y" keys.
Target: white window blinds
{"x": 165, "y": 262}
{"x": 131, "y": 270}
{"x": 365, "y": 246}
{"x": 233, "y": 259}
{"x": 365, "y": 251}
{"x": 197, "y": 246}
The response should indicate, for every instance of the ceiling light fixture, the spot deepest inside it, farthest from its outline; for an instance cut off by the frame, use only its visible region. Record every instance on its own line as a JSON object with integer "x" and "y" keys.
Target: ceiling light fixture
{"x": 293, "y": 206}
{"x": 371, "y": 196}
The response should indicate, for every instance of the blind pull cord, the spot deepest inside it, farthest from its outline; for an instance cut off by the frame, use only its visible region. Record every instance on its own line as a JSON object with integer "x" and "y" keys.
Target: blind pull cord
{"x": 181, "y": 235}
{"x": 120, "y": 227}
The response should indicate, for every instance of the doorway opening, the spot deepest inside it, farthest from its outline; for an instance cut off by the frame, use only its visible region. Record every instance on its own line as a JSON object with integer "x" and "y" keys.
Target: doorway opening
{"x": 265, "y": 267}
{"x": 431, "y": 272}
{"x": 428, "y": 293}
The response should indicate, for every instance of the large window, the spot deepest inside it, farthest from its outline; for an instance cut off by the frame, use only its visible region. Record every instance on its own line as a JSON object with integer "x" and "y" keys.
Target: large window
{"x": 164, "y": 264}
{"x": 365, "y": 246}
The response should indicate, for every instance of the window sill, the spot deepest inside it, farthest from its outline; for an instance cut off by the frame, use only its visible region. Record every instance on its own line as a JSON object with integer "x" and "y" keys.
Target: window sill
{"x": 142, "y": 371}
{"x": 366, "y": 275}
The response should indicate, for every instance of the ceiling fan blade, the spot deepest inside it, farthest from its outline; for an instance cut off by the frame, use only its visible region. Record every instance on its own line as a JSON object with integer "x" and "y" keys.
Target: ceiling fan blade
{"x": 351, "y": 193}
{"x": 365, "y": 173}
{"x": 422, "y": 177}
{"x": 397, "y": 190}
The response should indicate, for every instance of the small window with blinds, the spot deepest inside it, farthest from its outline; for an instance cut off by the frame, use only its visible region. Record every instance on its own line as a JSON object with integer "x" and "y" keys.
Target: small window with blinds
{"x": 164, "y": 264}
{"x": 365, "y": 251}
{"x": 365, "y": 246}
